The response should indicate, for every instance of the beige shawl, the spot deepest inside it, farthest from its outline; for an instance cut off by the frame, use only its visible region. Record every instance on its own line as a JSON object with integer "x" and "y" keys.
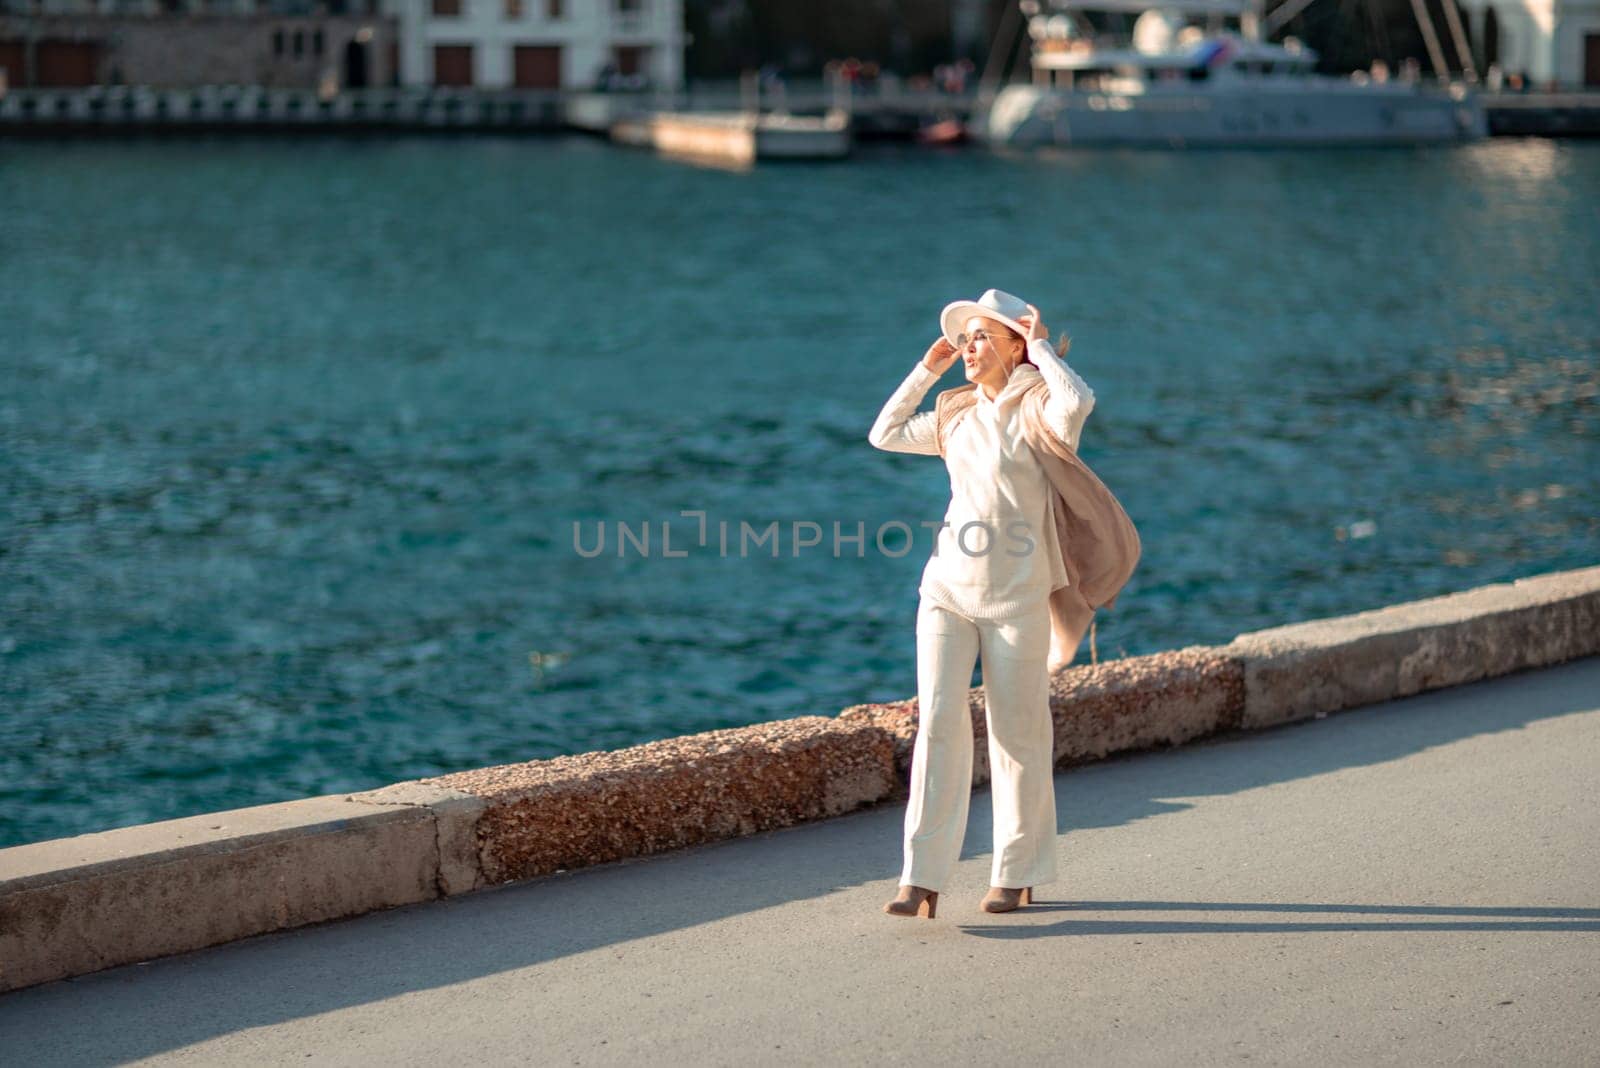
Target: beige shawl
{"x": 1099, "y": 544}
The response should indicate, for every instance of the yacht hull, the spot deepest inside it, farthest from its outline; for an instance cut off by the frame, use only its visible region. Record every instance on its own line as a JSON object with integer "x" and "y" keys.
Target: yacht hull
{"x": 1342, "y": 113}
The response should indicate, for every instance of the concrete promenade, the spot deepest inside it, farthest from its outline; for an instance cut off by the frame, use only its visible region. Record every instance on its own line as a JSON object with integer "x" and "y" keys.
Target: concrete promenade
{"x": 1410, "y": 882}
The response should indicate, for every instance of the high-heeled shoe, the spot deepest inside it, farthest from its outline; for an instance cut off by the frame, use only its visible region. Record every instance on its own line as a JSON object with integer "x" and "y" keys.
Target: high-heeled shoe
{"x": 1005, "y": 898}
{"x": 913, "y": 901}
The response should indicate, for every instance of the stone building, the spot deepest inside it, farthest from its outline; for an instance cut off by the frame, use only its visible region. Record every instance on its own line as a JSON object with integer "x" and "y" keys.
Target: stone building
{"x": 491, "y": 44}
{"x": 182, "y": 43}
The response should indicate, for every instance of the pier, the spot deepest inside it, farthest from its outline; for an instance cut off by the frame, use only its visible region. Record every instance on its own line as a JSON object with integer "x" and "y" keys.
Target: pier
{"x": 223, "y": 108}
{"x": 1543, "y": 114}
{"x": 885, "y": 115}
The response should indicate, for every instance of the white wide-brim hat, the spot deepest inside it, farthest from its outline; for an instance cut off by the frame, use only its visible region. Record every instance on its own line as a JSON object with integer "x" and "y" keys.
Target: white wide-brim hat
{"x": 994, "y": 304}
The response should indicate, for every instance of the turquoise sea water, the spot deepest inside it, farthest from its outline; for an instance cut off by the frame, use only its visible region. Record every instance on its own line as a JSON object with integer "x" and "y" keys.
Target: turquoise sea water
{"x": 293, "y": 433}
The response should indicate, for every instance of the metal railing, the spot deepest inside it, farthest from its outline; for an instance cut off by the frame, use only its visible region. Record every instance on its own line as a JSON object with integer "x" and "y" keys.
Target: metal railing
{"x": 245, "y": 106}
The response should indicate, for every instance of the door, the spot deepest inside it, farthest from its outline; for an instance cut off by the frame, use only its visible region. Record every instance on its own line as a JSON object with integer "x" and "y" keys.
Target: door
{"x": 355, "y": 65}
{"x": 64, "y": 63}
{"x": 452, "y": 65}
{"x": 537, "y": 66}
{"x": 1591, "y": 60}
{"x": 14, "y": 58}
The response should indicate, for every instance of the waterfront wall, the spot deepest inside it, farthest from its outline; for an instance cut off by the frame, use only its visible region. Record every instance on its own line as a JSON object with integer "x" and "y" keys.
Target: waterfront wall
{"x": 77, "y": 905}
{"x": 232, "y": 108}
{"x": 884, "y": 116}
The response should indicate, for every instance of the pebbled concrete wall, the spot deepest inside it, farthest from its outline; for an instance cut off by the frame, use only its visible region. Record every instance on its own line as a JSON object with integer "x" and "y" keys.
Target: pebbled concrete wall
{"x": 1099, "y": 709}
{"x": 77, "y": 905}
{"x": 1311, "y": 669}
{"x": 550, "y": 815}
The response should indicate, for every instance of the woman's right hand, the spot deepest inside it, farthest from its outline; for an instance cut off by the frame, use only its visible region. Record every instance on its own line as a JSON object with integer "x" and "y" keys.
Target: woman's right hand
{"x": 940, "y": 355}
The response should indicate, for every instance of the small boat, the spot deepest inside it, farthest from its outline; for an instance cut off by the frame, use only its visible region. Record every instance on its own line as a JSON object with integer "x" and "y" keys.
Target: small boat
{"x": 944, "y": 132}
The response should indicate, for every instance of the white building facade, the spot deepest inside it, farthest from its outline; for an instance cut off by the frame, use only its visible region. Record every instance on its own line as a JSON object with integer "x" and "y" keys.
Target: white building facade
{"x": 540, "y": 44}
{"x": 1553, "y": 44}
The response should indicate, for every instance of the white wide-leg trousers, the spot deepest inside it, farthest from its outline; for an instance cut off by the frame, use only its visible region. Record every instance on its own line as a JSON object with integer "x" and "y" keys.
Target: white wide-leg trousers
{"x": 1016, "y": 686}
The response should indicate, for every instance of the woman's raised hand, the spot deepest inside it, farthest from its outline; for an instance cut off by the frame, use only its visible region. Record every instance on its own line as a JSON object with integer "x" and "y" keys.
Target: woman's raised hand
{"x": 1035, "y": 325}
{"x": 940, "y": 355}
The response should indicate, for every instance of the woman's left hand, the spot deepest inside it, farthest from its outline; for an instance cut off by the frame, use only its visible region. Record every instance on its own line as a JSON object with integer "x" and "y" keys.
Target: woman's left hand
{"x": 1036, "y": 328}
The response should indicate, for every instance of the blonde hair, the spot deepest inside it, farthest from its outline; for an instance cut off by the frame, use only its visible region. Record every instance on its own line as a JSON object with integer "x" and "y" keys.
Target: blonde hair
{"x": 1061, "y": 347}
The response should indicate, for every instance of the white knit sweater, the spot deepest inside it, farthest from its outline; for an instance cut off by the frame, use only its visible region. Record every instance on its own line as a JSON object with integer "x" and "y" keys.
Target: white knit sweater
{"x": 996, "y": 481}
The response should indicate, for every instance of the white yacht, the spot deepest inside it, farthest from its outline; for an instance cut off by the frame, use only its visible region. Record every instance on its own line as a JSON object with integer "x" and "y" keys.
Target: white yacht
{"x": 1177, "y": 83}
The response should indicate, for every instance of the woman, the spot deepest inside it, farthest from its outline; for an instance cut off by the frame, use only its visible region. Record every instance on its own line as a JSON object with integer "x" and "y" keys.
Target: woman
{"x": 1015, "y": 574}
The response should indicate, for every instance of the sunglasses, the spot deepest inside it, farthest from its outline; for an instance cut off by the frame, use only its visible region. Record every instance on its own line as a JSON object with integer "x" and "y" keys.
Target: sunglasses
{"x": 963, "y": 337}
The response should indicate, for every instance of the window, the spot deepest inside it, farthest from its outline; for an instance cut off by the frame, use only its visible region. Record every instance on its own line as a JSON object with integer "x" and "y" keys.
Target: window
{"x": 536, "y": 66}
{"x": 299, "y": 43}
{"x": 316, "y": 43}
{"x": 513, "y": 9}
{"x": 552, "y": 9}
{"x": 446, "y": 8}
{"x": 277, "y": 42}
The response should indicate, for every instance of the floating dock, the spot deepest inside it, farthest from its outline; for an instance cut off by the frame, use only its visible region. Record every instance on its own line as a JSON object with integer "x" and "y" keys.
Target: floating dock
{"x": 738, "y": 139}
{"x": 729, "y": 134}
